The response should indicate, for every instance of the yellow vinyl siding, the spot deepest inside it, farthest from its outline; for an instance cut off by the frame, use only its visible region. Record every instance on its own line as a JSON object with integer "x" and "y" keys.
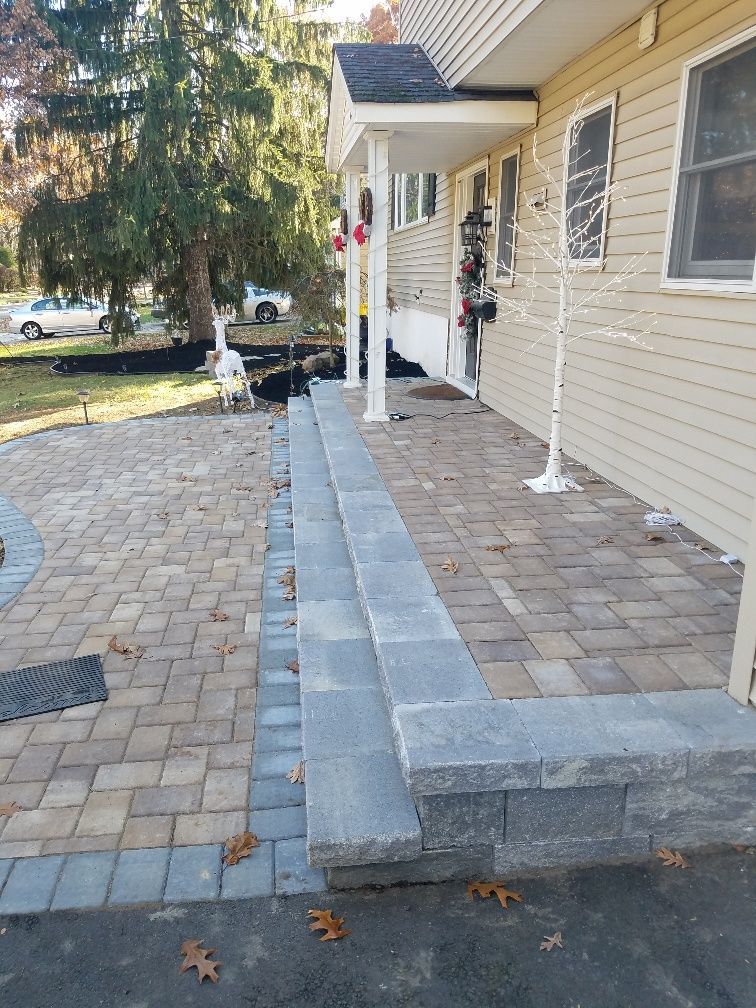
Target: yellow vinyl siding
{"x": 674, "y": 424}
{"x": 419, "y": 257}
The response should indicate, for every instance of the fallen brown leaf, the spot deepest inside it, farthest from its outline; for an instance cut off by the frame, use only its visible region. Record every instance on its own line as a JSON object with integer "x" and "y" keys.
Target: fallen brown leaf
{"x": 240, "y": 487}
{"x": 606, "y": 541}
{"x": 10, "y": 809}
{"x": 238, "y": 847}
{"x": 703, "y": 546}
{"x": 501, "y": 548}
{"x": 224, "y": 649}
{"x": 218, "y": 616}
{"x": 655, "y": 537}
{"x": 448, "y": 478}
{"x": 163, "y": 515}
{"x": 297, "y": 773}
{"x": 436, "y": 441}
{"x": 451, "y": 566}
{"x": 744, "y": 848}
{"x": 664, "y": 510}
{"x": 198, "y": 957}
{"x": 127, "y": 650}
{"x": 545, "y": 444}
{"x": 293, "y": 666}
{"x": 289, "y": 524}
{"x": 291, "y": 621}
{"x": 514, "y": 436}
{"x": 498, "y": 889}
{"x": 672, "y": 859}
{"x": 199, "y": 507}
{"x": 186, "y": 479}
{"x": 551, "y": 941}
{"x": 325, "y": 921}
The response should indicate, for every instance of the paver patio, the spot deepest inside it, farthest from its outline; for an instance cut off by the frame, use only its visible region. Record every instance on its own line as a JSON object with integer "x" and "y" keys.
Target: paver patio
{"x": 147, "y": 527}
{"x": 578, "y": 601}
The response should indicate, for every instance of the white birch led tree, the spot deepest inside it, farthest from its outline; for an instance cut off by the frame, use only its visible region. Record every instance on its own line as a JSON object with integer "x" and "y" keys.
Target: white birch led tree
{"x": 565, "y": 242}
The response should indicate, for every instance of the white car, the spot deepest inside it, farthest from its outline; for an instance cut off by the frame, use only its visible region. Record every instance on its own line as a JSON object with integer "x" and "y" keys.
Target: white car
{"x": 50, "y": 315}
{"x": 264, "y": 305}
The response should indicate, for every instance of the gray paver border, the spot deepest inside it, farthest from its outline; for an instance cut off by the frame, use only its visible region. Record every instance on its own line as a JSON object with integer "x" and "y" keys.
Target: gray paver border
{"x": 24, "y": 551}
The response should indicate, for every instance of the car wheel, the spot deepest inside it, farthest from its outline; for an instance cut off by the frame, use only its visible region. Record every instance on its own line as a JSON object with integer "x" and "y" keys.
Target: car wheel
{"x": 266, "y": 312}
{"x": 31, "y": 330}
{"x": 105, "y": 323}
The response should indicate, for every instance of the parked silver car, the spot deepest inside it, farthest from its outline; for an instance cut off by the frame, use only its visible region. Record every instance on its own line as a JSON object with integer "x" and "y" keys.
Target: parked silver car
{"x": 264, "y": 305}
{"x": 50, "y": 315}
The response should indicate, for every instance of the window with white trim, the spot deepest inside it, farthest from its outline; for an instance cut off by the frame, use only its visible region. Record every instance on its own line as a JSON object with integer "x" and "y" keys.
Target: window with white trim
{"x": 505, "y": 235}
{"x": 588, "y": 183}
{"x": 714, "y": 224}
{"x": 414, "y": 195}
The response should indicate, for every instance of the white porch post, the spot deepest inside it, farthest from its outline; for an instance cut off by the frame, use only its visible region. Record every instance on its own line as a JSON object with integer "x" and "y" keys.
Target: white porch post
{"x": 352, "y": 285}
{"x": 743, "y": 671}
{"x": 378, "y": 180}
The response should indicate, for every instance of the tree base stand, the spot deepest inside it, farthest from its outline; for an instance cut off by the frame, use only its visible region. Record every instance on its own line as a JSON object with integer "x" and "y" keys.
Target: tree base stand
{"x": 353, "y": 384}
{"x": 376, "y": 417}
{"x": 553, "y": 484}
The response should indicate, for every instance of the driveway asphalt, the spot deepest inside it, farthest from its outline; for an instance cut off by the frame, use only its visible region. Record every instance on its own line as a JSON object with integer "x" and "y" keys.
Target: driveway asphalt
{"x": 635, "y": 936}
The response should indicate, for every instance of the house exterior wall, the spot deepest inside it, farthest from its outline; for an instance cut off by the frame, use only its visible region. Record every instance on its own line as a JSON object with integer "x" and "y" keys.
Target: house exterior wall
{"x": 675, "y": 424}
{"x": 420, "y": 280}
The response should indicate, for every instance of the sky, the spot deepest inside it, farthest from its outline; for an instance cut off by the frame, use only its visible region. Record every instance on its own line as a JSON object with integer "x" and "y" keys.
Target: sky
{"x": 353, "y": 9}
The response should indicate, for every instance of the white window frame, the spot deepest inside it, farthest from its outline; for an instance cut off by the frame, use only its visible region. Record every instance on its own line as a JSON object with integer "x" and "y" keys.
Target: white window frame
{"x": 697, "y": 283}
{"x": 598, "y": 261}
{"x": 507, "y": 279}
{"x": 400, "y": 194}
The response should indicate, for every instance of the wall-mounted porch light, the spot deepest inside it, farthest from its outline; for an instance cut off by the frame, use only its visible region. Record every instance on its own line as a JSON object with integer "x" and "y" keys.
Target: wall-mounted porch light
{"x": 471, "y": 228}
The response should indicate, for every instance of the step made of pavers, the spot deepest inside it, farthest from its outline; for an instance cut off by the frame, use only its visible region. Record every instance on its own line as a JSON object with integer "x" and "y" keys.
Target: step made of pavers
{"x": 359, "y": 810}
{"x": 677, "y": 764}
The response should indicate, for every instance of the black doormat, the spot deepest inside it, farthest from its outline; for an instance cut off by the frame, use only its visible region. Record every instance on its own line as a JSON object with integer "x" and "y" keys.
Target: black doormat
{"x": 39, "y": 689}
{"x": 443, "y": 393}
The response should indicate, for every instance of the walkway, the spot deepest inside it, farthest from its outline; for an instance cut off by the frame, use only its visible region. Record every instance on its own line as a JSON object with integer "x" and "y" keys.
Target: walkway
{"x": 554, "y": 595}
{"x": 148, "y": 527}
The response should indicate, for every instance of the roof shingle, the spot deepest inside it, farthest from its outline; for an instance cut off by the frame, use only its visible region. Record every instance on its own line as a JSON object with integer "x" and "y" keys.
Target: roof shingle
{"x": 401, "y": 74}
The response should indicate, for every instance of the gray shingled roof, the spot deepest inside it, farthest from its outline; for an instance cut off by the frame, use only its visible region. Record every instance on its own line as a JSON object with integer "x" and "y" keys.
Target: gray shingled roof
{"x": 386, "y": 73}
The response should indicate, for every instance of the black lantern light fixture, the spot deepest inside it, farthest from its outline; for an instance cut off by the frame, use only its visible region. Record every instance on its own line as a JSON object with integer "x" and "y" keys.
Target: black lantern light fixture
{"x": 83, "y": 395}
{"x": 471, "y": 228}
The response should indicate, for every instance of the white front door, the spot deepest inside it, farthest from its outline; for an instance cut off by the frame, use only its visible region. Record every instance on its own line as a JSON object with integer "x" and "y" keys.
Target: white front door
{"x": 464, "y": 353}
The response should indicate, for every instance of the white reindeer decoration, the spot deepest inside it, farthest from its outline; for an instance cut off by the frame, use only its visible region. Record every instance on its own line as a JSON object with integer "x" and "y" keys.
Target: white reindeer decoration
{"x": 228, "y": 364}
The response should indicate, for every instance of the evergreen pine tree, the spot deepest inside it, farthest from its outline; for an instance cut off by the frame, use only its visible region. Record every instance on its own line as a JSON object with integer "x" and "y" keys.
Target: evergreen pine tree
{"x": 198, "y": 126}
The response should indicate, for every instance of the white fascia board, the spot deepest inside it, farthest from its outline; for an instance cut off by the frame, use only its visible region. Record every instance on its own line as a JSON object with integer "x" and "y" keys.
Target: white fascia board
{"x": 455, "y": 115}
{"x": 340, "y": 108}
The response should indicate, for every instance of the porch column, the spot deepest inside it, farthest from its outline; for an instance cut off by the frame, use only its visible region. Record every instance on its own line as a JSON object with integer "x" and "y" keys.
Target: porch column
{"x": 743, "y": 671}
{"x": 378, "y": 180}
{"x": 352, "y": 284}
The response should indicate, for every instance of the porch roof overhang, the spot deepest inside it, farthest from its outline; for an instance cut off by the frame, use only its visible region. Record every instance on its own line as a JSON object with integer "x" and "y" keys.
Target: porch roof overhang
{"x": 396, "y": 90}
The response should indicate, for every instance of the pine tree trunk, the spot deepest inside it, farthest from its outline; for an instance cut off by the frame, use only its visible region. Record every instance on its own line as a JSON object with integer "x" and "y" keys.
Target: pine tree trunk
{"x": 194, "y": 263}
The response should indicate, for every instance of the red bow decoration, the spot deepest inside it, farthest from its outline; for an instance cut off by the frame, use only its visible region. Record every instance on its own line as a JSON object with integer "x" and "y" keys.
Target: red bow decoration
{"x": 359, "y": 233}
{"x": 461, "y": 321}
{"x": 466, "y": 306}
{"x": 338, "y": 243}
{"x": 469, "y": 266}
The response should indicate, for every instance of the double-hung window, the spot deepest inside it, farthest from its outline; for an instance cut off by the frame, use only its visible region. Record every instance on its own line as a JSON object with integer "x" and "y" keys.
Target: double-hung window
{"x": 505, "y": 238}
{"x": 714, "y": 223}
{"x": 587, "y": 184}
{"x": 414, "y": 196}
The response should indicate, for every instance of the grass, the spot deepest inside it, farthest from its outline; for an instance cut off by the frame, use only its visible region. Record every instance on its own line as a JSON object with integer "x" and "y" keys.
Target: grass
{"x": 33, "y": 400}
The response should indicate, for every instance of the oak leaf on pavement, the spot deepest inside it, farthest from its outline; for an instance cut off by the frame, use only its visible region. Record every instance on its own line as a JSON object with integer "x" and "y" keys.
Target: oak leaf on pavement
{"x": 497, "y": 889}
{"x": 239, "y": 846}
{"x": 297, "y": 773}
{"x": 325, "y": 921}
{"x": 551, "y": 941}
{"x": 224, "y": 649}
{"x": 672, "y": 859}
{"x": 196, "y": 956}
{"x": 10, "y": 809}
{"x": 127, "y": 650}
{"x": 451, "y": 565}
{"x": 218, "y": 616}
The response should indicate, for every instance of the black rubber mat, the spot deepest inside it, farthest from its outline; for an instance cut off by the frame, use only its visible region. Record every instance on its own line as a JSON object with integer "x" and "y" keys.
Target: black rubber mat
{"x": 50, "y": 687}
